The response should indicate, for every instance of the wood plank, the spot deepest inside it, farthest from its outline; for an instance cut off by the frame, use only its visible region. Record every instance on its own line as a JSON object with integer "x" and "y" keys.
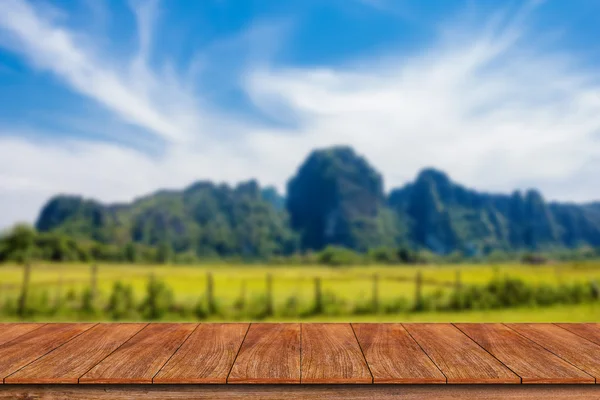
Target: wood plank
{"x": 68, "y": 362}
{"x": 138, "y": 360}
{"x": 303, "y": 392}
{"x": 394, "y": 357}
{"x": 459, "y": 357}
{"x": 590, "y": 332}
{"x": 530, "y": 361}
{"x": 21, "y": 351}
{"x": 578, "y": 351}
{"x": 270, "y": 354}
{"x": 11, "y": 331}
{"x": 331, "y": 354}
{"x": 206, "y": 357}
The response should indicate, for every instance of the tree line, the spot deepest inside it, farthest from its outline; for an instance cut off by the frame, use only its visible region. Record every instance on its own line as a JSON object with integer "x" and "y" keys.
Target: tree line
{"x": 24, "y": 244}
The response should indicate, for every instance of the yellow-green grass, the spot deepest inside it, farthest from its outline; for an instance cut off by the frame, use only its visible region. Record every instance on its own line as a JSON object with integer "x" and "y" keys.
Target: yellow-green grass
{"x": 350, "y": 283}
{"x": 562, "y": 313}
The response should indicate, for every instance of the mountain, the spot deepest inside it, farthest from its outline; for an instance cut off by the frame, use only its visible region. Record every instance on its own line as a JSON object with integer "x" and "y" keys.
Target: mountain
{"x": 336, "y": 197}
{"x": 444, "y": 216}
{"x": 205, "y": 218}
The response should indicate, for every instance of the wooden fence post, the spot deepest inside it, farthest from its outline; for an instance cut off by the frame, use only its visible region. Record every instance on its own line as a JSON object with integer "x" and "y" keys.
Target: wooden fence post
{"x": 318, "y": 306}
{"x": 595, "y": 289}
{"x": 94, "y": 284}
{"x": 457, "y": 282}
{"x": 242, "y": 298}
{"x": 375, "y": 299}
{"x": 210, "y": 299}
{"x": 269, "y": 305}
{"x": 59, "y": 289}
{"x": 24, "y": 289}
{"x": 418, "y": 291}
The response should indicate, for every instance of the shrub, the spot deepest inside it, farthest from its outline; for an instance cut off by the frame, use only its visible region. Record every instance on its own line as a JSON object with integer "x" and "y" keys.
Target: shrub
{"x": 158, "y": 301}
{"x": 337, "y": 256}
{"x": 121, "y": 303}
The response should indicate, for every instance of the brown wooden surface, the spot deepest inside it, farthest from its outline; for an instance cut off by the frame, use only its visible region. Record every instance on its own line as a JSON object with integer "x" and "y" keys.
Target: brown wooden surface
{"x": 68, "y": 362}
{"x": 572, "y": 348}
{"x": 206, "y": 357}
{"x": 331, "y": 354}
{"x": 139, "y": 359}
{"x": 10, "y": 331}
{"x": 270, "y": 354}
{"x": 302, "y": 392}
{"x": 590, "y": 332}
{"x": 527, "y": 359}
{"x": 19, "y": 352}
{"x": 394, "y": 357}
{"x": 298, "y": 353}
{"x": 459, "y": 357}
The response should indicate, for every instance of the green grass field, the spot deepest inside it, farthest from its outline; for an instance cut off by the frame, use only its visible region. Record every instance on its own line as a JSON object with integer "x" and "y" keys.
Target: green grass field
{"x": 349, "y": 283}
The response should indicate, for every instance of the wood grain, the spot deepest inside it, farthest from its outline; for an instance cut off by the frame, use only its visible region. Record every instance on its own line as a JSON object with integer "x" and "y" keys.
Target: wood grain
{"x": 139, "y": 359}
{"x": 68, "y": 362}
{"x": 270, "y": 354}
{"x": 578, "y": 351}
{"x": 459, "y": 358}
{"x": 207, "y": 355}
{"x": 19, "y": 352}
{"x": 527, "y": 359}
{"x": 302, "y": 392}
{"x": 331, "y": 354}
{"x": 11, "y": 331}
{"x": 590, "y": 332}
{"x": 394, "y": 357}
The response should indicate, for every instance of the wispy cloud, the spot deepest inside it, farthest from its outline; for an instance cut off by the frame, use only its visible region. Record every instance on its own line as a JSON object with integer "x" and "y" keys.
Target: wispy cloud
{"x": 483, "y": 102}
{"x": 122, "y": 89}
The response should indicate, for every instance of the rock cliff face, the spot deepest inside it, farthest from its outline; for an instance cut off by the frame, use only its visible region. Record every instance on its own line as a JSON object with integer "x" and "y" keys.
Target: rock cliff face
{"x": 335, "y": 198}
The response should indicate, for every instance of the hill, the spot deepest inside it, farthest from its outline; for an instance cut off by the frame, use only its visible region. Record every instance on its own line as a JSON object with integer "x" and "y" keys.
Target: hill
{"x": 335, "y": 198}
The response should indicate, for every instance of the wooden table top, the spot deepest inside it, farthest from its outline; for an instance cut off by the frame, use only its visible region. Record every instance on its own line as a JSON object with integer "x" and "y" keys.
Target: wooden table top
{"x": 294, "y": 353}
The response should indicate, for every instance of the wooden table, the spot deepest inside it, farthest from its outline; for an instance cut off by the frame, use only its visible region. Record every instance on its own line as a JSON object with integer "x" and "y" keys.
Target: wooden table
{"x": 299, "y": 361}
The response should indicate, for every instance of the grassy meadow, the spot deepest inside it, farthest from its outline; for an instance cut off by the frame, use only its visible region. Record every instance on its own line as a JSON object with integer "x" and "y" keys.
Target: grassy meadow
{"x": 350, "y": 290}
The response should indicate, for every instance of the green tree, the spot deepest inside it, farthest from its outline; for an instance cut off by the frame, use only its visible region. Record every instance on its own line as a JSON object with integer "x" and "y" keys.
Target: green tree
{"x": 164, "y": 253}
{"x": 19, "y": 244}
{"x": 131, "y": 253}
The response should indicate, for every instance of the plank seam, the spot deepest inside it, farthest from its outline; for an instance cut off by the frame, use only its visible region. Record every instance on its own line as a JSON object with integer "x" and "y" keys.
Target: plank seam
{"x": 238, "y": 353}
{"x": 484, "y": 349}
{"x": 550, "y": 351}
{"x": 48, "y": 352}
{"x": 108, "y": 355}
{"x": 363, "y": 354}
{"x": 423, "y": 350}
{"x": 576, "y": 334}
{"x": 169, "y": 359}
{"x": 26, "y": 333}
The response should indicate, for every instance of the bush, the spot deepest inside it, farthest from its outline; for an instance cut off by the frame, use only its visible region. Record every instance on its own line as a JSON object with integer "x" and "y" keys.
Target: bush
{"x": 121, "y": 304}
{"x": 201, "y": 310}
{"x": 383, "y": 255}
{"x": 291, "y": 307}
{"x": 337, "y": 256}
{"x": 158, "y": 301}
{"x": 87, "y": 302}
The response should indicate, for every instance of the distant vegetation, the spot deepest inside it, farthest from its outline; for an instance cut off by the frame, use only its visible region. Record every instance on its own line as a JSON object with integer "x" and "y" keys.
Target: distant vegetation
{"x": 23, "y": 244}
{"x": 335, "y": 212}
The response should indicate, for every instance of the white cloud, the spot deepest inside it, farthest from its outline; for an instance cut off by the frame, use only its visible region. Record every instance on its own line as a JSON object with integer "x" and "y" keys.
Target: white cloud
{"x": 484, "y": 104}
{"x": 132, "y": 92}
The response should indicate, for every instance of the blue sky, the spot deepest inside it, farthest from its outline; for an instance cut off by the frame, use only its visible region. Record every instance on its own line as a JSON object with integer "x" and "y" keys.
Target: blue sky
{"x": 114, "y": 99}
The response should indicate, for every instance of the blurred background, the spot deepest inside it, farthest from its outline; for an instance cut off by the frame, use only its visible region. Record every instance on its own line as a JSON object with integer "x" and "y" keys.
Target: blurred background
{"x": 355, "y": 160}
